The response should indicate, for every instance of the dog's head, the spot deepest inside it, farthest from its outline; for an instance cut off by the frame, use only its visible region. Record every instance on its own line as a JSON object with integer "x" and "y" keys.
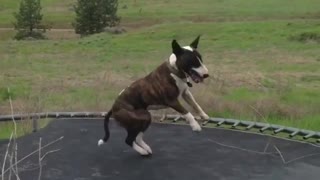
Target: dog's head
{"x": 188, "y": 60}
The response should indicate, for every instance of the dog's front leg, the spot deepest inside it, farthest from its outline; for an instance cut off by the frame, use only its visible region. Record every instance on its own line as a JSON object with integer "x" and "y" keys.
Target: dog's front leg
{"x": 186, "y": 115}
{"x": 188, "y": 97}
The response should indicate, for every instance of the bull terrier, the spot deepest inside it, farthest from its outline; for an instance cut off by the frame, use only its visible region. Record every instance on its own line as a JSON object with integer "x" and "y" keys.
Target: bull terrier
{"x": 162, "y": 87}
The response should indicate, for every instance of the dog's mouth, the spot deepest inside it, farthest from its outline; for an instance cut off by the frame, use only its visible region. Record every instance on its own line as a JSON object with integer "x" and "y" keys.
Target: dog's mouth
{"x": 195, "y": 76}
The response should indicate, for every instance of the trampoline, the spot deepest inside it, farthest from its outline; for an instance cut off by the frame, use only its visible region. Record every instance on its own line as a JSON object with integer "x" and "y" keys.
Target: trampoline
{"x": 178, "y": 154}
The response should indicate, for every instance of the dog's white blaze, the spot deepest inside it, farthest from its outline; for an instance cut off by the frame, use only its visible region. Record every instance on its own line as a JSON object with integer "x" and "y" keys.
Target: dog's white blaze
{"x": 188, "y": 48}
{"x": 121, "y": 92}
{"x": 202, "y": 69}
{"x": 141, "y": 143}
{"x": 193, "y": 123}
{"x": 139, "y": 149}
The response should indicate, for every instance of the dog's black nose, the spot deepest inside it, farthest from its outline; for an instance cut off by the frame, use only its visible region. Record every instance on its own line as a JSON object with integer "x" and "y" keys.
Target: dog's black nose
{"x": 205, "y": 76}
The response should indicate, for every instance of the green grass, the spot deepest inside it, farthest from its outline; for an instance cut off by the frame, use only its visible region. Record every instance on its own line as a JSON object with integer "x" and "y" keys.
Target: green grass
{"x": 59, "y": 13}
{"x": 308, "y": 122}
{"x": 243, "y": 94}
{"x": 76, "y": 68}
{"x": 301, "y": 95}
{"x": 23, "y": 128}
{"x": 247, "y": 46}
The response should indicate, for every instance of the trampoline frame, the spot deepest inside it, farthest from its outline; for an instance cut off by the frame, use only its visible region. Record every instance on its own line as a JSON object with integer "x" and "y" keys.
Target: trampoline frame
{"x": 248, "y": 125}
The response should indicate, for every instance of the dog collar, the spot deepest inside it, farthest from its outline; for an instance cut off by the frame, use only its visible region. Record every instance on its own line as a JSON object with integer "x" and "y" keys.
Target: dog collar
{"x": 180, "y": 74}
{"x": 188, "y": 82}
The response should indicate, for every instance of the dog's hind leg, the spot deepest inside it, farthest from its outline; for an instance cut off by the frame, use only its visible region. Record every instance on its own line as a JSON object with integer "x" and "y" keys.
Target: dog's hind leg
{"x": 136, "y": 122}
{"x": 143, "y": 144}
{"x": 131, "y": 141}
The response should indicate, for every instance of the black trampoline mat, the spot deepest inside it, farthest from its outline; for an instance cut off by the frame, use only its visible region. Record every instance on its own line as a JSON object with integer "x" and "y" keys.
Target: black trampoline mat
{"x": 178, "y": 153}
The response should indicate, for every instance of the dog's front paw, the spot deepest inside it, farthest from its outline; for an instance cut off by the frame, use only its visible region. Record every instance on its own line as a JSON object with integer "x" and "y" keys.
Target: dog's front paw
{"x": 195, "y": 127}
{"x": 204, "y": 116}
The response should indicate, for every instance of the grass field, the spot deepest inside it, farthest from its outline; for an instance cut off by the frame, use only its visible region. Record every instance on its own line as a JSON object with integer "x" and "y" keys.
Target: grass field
{"x": 59, "y": 13}
{"x": 263, "y": 57}
{"x": 23, "y": 127}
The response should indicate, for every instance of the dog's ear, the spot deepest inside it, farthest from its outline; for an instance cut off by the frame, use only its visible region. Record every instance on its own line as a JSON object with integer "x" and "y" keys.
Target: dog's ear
{"x": 195, "y": 43}
{"x": 176, "y": 48}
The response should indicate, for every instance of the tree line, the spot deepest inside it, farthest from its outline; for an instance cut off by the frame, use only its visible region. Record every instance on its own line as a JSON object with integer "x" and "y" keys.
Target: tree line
{"x": 92, "y": 16}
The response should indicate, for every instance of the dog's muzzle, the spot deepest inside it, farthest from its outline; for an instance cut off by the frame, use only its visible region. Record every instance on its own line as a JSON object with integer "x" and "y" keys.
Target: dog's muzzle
{"x": 196, "y": 77}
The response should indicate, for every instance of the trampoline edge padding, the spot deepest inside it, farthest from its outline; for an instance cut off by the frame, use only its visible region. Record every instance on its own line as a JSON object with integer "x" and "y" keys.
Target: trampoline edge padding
{"x": 306, "y": 134}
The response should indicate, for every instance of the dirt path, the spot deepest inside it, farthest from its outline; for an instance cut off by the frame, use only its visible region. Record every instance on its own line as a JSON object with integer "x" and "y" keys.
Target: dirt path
{"x": 55, "y": 30}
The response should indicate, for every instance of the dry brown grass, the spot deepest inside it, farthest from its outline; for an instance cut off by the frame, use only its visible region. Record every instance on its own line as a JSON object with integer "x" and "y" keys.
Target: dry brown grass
{"x": 100, "y": 85}
{"x": 63, "y": 34}
{"x": 87, "y": 74}
{"x": 226, "y": 75}
{"x": 211, "y": 98}
{"x": 234, "y": 69}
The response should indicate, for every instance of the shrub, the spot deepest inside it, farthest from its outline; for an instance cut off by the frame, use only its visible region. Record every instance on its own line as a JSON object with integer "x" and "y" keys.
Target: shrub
{"x": 95, "y": 15}
{"x": 28, "y": 20}
{"x": 307, "y": 37}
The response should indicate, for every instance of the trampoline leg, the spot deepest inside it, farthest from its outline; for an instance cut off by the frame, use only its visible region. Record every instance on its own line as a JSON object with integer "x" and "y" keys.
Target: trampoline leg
{"x": 141, "y": 143}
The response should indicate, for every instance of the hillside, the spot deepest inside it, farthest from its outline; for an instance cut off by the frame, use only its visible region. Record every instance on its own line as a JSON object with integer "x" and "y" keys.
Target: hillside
{"x": 262, "y": 56}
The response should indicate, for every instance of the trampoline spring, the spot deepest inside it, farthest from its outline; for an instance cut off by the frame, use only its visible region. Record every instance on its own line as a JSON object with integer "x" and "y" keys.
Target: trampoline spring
{"x": 309, "y": 135}
{"x": 221, "y": 122}
{"x": 35, "y": 124}
{"x": 177, "y": 119}
{"x": 205, "y": 123}
{"x": 250, "y": 126}
{"x": 294, "y": 133}
{"x": 264, "y": 128}
{"x": 164, "y": 117}
{"x": 278, "y": 130}
{"x": 235, "y": 124}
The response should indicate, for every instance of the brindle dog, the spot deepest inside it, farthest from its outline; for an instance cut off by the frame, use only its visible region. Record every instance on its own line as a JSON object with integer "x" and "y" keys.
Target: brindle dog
{"x": 163, "y": 86}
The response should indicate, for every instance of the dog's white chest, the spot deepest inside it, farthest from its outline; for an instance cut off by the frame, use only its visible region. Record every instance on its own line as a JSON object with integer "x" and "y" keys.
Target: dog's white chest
{"x": 181, "y": 84}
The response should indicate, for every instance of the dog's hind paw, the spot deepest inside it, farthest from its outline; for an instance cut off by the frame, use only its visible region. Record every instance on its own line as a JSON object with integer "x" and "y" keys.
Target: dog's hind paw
{"x": 148, "y": 149}
{"x": 100, "y": 142}
{"x": 139, "y": 149}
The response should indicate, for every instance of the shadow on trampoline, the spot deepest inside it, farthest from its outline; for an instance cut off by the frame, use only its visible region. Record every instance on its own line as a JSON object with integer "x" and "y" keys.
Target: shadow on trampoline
{"x": 179, "y": 153}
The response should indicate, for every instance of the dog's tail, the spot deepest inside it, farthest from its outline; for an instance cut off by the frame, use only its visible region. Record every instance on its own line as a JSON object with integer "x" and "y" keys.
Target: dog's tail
{"x": 106, "y": 129}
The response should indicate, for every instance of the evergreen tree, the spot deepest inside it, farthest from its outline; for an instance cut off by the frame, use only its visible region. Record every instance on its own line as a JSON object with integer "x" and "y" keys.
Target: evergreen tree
{"x": 28, "y": 20}
{"x": 92, "y": 16}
